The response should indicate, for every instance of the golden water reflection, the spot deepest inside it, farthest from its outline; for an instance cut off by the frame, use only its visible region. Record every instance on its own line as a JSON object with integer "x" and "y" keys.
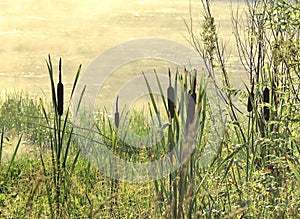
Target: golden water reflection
{"x": 79, "y": 30}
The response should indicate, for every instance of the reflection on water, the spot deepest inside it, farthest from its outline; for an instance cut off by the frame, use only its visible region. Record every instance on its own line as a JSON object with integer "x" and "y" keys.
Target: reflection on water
{"x": 79, "y": 30}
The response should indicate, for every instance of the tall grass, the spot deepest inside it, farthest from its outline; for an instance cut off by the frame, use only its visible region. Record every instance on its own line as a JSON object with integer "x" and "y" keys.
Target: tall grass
{"x": 19, "y": 114}
{"x": 12, "y": 159}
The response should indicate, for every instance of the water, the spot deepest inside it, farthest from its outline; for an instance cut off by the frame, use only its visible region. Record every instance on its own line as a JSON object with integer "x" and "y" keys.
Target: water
{"x": 79, "y": 30}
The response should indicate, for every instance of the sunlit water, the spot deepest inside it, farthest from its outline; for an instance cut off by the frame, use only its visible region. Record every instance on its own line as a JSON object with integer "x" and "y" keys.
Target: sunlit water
{"x": 79, "y": 30}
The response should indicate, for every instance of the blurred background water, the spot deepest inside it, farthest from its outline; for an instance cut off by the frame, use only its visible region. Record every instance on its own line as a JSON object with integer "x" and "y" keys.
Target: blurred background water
{"x": 79, "y": 30}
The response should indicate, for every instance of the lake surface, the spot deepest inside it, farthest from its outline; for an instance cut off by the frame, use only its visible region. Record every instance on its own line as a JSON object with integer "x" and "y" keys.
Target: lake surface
{"x": 79, "y": 30}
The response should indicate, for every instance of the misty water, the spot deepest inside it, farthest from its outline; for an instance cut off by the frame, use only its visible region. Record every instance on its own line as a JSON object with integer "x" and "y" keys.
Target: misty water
{"x": 78, "y": 31}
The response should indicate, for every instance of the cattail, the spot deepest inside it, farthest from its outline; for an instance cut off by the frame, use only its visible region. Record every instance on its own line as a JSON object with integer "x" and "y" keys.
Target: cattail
{"x": 266, "y": 95}
{"x": 191, "y": 101}
{"x": 249, "y": 105}
{"x": 191, "y": 107}
{"x": 180, "y": 78}
{"x": 194, "y": 81}
{"x": 266, "y": 99}
{"x": 170, "y": 93}
{"x": 185, "y": 78}
{"x": 117, "y": 117}
{"x": 60, "y": 93}
{"x": 250, "y": 99}
{"x": 193, "y": 86}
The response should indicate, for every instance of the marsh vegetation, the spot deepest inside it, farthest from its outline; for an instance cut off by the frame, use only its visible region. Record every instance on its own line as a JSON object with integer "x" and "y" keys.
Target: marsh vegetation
{"x": 254, "y": 172}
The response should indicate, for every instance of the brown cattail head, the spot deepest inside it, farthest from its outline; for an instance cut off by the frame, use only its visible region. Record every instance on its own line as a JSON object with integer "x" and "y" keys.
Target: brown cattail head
{"x": 60, "y": 93}
{"x": 185, "y": 79}
{"x": 192, "y": 101}
{"x": 117, "y": 117}
{"x": 266, "y": 113}
{"x": 191, "y": 107}
{"x": 194, "y": 80}
{"x": 249, "y": 104}
{"x": 170, "y": 94}
{"x": 266, "y": 95}
{"x": 266, "y": 99}
{"x": 170, "y": 82}
{"x": 250, "y": 99}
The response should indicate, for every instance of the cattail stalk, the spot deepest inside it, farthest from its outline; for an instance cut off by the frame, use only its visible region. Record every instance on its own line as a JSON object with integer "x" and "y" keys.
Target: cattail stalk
{"x": 60, "y": 93}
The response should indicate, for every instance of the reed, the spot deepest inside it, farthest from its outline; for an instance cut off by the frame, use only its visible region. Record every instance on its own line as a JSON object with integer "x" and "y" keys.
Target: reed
{"x": 182, "y": 129}
{"x": 60, "y": 93}
{"x": 60, "y": 141}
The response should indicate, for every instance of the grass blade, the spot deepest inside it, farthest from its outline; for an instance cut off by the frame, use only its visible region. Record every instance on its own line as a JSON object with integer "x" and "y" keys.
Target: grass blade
{"x": 13, "y": 156}
{"x": 1, "y": 144}
{"x": 294, "y": 170}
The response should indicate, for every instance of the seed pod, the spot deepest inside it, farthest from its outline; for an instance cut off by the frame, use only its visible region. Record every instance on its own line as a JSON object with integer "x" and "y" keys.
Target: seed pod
{"x": 266, "y": 99}
{"x": 117, "y": 117}
{"x": 60, "y": 93}
{"x": 170, "y": 94}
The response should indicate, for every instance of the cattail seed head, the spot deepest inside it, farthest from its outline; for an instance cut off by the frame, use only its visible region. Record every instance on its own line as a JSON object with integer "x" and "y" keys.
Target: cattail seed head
{"x": 266, "y": 99}
{"x": 191, "y": 108}
{"x": 192, "y": 100}
{"x": 266, "y": 113}
{"x": 266, "y": 95}
{"x": 170, "y": 95}
{"x": 60, "y": 93}
{"x": 194, "y": 85}
{"x": 249, "y": 104}
{"x": 251, "y": 98}
{"x": 185, "y": 79}
{"x": 117, "y": 116}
